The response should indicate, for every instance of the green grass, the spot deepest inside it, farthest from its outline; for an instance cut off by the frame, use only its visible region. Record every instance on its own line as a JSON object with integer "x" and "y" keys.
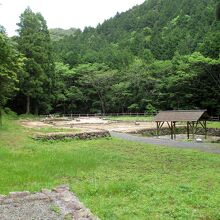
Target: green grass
{"x": 116, "y": 179}
{"x": 213, "y": 124}
{"x": 52, "y": 130}
{"x": 130, "y": 118}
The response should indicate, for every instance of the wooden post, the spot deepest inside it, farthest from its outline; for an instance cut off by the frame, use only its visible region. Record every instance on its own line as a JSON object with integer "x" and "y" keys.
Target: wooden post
{"x": 187, "y": 129}
{"x": 204, "y": 126}
{"x": 174, "y": 129}
{"x": 157, "y": 129}
{"x": 159, "y": 126}
{"x": 172, "y": 134}
{"x": 171, "y": 129}
{"x": 193, "y": 134}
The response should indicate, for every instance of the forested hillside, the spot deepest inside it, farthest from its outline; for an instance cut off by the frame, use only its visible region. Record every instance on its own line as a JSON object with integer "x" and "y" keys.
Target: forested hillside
{"x": 59, "y": 33}
{"x": 163, "y": 54}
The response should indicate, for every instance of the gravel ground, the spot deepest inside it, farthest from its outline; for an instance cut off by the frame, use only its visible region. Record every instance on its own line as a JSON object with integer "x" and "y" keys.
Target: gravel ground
{"x": 207, "y": 147}
{"x": 55, "y": 204}
{"x": 33, "y": 210}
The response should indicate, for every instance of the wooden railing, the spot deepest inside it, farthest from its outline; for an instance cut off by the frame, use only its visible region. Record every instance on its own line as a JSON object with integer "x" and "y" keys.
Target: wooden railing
{"x": 100, "y": 115}
{"x": 212, "y": 118}
{"x": 215, "y": 118}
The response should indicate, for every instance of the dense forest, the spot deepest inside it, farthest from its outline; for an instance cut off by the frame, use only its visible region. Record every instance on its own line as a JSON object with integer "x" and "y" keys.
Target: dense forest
{"x": 160, "y": 55}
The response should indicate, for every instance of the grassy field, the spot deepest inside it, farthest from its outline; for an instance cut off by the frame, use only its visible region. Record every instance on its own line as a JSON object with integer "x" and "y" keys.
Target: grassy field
{"x": 130, "y": 118}
{"x": 114, "y": 178}
{"x": 213, "y": 124}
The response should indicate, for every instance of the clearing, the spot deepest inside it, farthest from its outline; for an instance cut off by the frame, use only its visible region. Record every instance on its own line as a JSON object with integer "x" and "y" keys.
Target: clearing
{"x": 116, "y": 179}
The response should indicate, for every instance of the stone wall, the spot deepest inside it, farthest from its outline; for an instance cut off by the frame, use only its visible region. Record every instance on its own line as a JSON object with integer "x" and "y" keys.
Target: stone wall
{"x": 179, "y": 130}
{"x": 62, "y": 136}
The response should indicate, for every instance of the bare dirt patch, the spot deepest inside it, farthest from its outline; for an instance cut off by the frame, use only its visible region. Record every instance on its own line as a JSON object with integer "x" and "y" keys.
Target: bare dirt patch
{"x": 34, "y": 124}
{"x": 89, "y": 124}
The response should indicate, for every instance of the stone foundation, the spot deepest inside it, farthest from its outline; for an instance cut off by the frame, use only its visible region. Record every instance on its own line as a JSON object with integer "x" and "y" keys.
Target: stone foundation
{"x": 179, "y": 130}
{"x": 62, "y": 136}
{"x": 62, "y": 204}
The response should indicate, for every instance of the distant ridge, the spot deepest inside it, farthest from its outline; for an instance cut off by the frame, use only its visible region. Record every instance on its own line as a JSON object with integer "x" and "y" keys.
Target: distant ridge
{"x": 57, "y": 34}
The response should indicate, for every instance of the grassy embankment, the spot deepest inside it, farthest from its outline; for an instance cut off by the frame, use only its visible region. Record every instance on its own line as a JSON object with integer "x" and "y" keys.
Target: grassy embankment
{"x": 116, "y": 179}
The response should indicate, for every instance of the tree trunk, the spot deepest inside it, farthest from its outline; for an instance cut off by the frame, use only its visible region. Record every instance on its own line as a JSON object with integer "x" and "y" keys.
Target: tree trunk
{"x": 36, "y": 109}
{"x": 28, "y": 105}
{"x": 0, "y": 116}
{"x": 103, "y": 106}
{"x": 102, "y": 102}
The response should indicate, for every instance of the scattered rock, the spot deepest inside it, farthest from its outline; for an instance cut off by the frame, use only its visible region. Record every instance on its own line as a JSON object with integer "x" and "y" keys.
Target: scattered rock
{"x": 18, "y": 194}
{"x": 83, "y": 136}
{"x": 62, "y": 188}
{"x": 199, "y": 140}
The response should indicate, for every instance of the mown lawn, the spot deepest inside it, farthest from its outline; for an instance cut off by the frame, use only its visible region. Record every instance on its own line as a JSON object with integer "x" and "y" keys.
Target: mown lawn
{"x": 130, "y": 118}
{"x": 114, "y": 178}
{"x": 213, "y": 124}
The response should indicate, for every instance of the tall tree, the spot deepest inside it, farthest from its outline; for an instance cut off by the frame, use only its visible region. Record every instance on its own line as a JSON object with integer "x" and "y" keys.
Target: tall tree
{"x": 34, "y": 42}
{"x": 100, "y": 79}
{"x": 10, "y": 64}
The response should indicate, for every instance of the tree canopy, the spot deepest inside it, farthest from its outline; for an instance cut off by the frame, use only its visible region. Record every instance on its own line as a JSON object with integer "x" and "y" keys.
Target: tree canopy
{"x": 11, "y": 63}
{"x": 34, "y": 42}
{"x": 159, "y": 55}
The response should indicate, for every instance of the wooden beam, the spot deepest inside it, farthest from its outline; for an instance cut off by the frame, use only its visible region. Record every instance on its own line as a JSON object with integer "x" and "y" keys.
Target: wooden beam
{"x": 204, "y": 126}
{"x": 162, "y": 123}
{"x": 168, "y": 125}
{"x": 157, "y": 128}
{"x": 196, "y": 127}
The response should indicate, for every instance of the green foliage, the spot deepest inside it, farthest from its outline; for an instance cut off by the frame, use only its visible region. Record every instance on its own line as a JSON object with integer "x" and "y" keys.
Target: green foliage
{"x": 99, "y": 78}
{"x": 34, "y": 42}
{"x": 57, "y": 34}
{"x": 150, "y": 109}
{"x": 11, "y": 64}
{"x": 134, "y": 107}
{"x": 160, "y": 53}
{"x": 153, "y": 47}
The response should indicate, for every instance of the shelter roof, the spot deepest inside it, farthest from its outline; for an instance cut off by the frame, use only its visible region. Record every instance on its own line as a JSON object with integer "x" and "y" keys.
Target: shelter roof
{"x": 181, "y": 115}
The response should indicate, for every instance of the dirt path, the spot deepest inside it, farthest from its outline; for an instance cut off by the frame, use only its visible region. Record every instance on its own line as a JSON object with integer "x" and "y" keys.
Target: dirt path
{"x": 207, "y": 147}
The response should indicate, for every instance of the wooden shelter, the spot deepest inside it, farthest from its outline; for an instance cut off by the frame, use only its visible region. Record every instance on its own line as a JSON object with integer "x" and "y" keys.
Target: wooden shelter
{"x": 191, "y": 117}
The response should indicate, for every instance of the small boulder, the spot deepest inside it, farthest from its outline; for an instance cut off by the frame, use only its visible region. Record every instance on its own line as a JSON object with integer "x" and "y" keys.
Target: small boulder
{"x": 198, "y": 140}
